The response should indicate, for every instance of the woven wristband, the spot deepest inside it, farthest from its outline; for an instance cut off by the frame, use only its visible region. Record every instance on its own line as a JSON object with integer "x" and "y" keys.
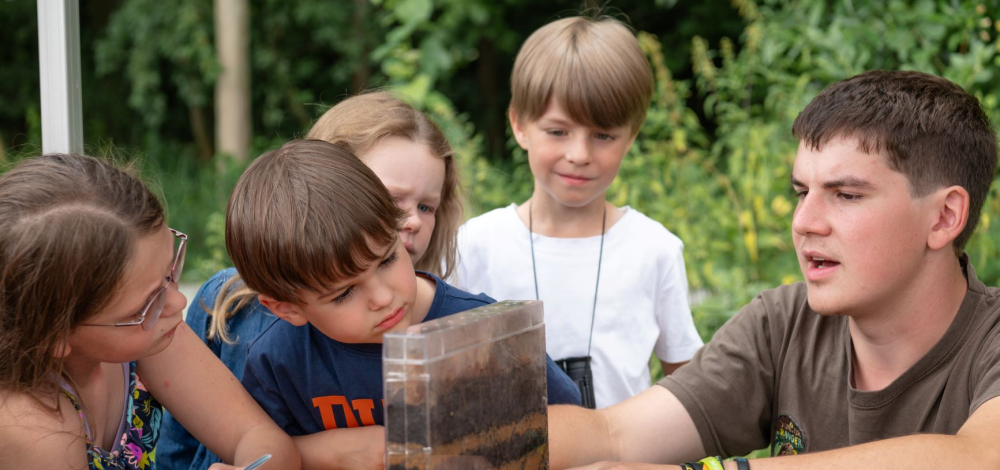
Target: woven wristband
{"x": 742, "y": 463}
{"x": 712, "y": 463}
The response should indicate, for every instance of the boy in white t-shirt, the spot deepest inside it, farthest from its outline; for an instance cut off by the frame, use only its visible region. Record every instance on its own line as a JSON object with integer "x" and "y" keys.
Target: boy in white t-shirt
{"x": 612, "y": 279}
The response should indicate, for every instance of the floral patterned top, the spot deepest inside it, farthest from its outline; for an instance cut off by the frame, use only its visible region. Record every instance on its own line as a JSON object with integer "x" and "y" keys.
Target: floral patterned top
{"x": 139, "y": 429}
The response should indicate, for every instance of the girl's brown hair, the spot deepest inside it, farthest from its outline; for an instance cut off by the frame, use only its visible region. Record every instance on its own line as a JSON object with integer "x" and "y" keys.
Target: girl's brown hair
{"x": 361, "y": 122}
{"x": 68, "y": 230}
{"x": 302, "y": 217}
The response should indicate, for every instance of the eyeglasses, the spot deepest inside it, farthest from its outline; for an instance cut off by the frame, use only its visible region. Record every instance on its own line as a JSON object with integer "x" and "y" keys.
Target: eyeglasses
{"x": 154, "y": 306}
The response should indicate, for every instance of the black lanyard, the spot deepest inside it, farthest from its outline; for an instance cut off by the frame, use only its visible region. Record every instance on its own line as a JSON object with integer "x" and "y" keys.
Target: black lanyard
{"x": 600, "y": 256}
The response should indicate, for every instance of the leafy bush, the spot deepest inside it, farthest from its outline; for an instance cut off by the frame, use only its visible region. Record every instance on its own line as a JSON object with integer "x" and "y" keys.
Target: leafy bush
{"x": 721, "y": 182}
{"x": 711, "y": 163}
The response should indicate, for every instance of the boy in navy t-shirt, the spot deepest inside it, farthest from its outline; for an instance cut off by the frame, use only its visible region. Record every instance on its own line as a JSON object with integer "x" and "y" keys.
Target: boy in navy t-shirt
{"x": 314, "y": 233}
{"x": 316, "y": 383}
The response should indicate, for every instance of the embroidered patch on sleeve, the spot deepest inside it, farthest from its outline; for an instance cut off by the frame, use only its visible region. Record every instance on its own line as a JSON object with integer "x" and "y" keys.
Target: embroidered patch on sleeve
{"x": 788, "y": 437}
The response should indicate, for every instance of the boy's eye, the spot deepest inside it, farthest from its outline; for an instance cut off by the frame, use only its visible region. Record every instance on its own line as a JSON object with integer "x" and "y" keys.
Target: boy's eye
{"x": 343, "y": 296}
{"x": 389, "y": 260}
{"x": 850, "y": 197}
{"x": 556, "y": 132}
{"x": 601, "y": 136}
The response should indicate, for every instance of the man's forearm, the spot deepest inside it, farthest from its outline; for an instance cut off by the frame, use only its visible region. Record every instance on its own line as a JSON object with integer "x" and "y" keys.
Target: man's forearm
{"x": 652, "y": 426}
{"x": 916, "y": 452}
{"x": 577, "y": 436}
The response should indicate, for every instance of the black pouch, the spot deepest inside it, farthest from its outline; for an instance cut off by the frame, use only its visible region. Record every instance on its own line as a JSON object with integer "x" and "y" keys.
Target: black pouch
{"x": 578, "y": 370}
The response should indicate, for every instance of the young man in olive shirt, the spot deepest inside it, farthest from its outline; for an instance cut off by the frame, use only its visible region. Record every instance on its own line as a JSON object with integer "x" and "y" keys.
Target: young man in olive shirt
{"x": 888, "y": 355}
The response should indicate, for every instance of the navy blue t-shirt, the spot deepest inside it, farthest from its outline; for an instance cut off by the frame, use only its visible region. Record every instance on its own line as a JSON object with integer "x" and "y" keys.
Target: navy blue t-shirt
{"x": 308, "y": 382}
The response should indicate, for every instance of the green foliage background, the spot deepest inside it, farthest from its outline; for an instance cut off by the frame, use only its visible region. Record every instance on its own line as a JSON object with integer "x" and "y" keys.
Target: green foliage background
{"x": 720, "y": 182}
{"x": 711, "y": 163}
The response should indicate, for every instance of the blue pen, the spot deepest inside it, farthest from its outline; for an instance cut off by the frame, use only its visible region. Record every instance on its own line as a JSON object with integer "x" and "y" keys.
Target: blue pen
{"x": 258, "y": 462}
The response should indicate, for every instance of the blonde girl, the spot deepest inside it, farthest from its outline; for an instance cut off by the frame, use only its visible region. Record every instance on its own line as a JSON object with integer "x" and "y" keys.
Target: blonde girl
{"x": 91, "y": 337}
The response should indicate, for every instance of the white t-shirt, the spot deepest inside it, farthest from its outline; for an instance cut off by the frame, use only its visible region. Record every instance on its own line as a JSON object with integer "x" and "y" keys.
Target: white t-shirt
{"x": 642, "y": 304}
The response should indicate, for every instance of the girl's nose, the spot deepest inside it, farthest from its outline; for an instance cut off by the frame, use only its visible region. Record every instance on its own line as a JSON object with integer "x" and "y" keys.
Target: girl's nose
{"x": 175, "y": 301}
{"x": 412, "y": 222}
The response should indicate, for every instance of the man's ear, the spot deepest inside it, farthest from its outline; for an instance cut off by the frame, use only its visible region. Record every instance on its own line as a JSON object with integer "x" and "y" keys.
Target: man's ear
{"x": 515, "y": 125}
{"x": 284, "y": 310}
{"x": 952, "y": 213}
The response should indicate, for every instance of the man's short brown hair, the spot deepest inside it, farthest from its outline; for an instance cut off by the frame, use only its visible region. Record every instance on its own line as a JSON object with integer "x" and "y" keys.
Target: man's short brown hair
{"x": 594, "y": 69}
{"x": 928, "y": 128}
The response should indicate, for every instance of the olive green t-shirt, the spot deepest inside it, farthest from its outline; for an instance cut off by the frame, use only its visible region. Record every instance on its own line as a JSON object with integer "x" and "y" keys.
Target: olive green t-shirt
{"x": 778, "y": 373}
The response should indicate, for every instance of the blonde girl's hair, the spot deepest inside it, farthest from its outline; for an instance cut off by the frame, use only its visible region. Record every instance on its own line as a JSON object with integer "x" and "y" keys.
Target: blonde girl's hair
{"x": 361, "y": 122}
{"x": 69, "y": 225}
{"x": 594, "y": 68}
{"x": 232, "y": 297}
{"x": 303, "y": 217}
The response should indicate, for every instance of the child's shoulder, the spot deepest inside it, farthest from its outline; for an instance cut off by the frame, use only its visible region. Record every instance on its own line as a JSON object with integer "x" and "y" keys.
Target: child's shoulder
{"x": 214, "y": 284}
{"x": 279, "y": 335}
{"x": 29, "y": 429}
{"x": 640, "y": 229}
{"x": 460, "y": 295}
{"x": 199, "y": 313}
{"x": 204, "y": 299}
{"x": 449, "y": 299}
{"x": 209, "y": 291}
{"x": 501, "y": 218}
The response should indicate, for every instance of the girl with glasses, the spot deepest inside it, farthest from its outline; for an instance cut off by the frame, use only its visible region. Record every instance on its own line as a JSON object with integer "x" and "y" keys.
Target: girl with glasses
{"x": 91, "y": 337}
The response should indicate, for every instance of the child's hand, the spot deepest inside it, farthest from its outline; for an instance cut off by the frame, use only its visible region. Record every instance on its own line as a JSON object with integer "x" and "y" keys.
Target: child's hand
{"x": 363, "y": 448}
{"x": 255, "y": 464}
{"x": 360, "y": 448}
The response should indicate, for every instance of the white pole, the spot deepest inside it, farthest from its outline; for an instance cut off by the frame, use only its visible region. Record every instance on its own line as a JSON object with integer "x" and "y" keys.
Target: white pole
{"x": 232, "y": 87}
{"x": 59, "y": 66}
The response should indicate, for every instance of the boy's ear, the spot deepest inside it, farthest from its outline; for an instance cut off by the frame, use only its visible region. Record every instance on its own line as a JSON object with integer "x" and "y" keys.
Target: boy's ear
{"x": 632, "y": 141}
{"x": 284, "y": 310}
{"x": 952, "y": 213}
{"x": 515, "y": 126}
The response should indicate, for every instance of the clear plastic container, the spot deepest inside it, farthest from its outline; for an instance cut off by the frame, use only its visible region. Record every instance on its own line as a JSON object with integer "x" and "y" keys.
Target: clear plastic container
{"x": 468, "y": 391}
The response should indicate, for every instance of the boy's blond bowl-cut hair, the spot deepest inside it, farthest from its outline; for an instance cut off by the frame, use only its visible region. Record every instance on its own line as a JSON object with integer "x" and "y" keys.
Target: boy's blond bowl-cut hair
{"x": 594, "y": 69}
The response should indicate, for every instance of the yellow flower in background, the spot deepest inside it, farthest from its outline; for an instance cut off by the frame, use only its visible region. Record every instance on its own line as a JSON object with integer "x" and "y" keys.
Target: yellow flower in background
{"x": 781, "y": 206}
